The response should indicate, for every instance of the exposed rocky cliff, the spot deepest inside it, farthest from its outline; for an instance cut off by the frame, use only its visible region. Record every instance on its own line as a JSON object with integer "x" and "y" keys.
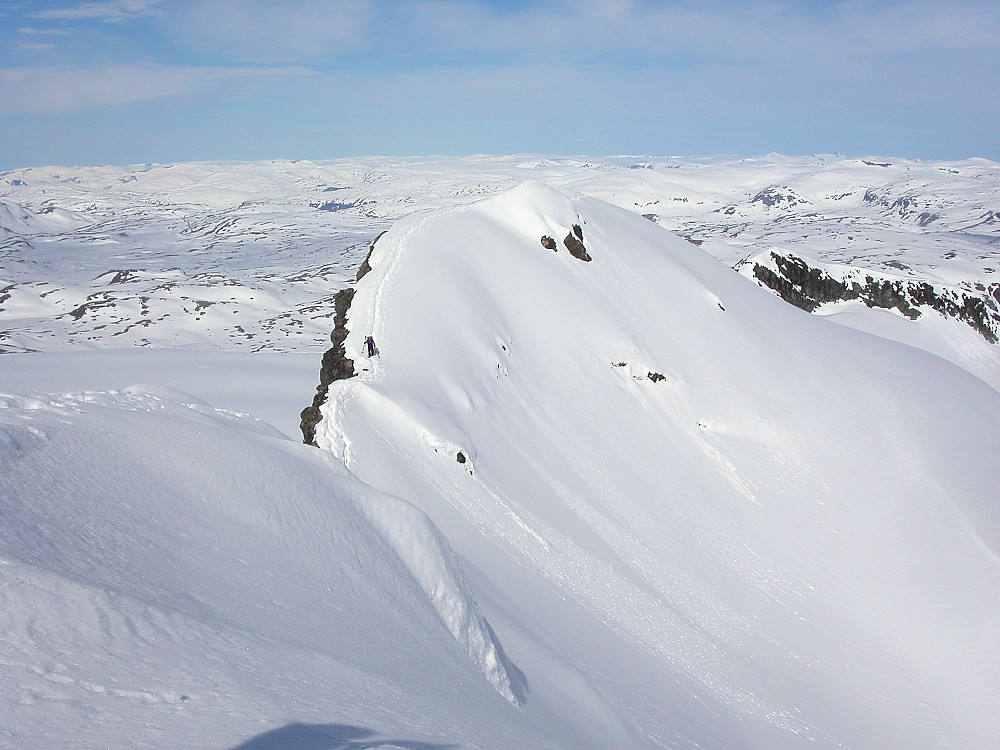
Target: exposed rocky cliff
{"x": 335, "y": 366}
{"x": 574, "y": 243}
{"x": 810, "y": 286}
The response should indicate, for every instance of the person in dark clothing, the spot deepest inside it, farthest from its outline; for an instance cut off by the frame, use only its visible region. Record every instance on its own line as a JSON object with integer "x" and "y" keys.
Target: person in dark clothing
{"x": 370, "y": 346}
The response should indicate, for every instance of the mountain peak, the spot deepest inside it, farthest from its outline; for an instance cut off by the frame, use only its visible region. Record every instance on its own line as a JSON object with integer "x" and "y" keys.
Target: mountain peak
{"x": 643, "y": 435}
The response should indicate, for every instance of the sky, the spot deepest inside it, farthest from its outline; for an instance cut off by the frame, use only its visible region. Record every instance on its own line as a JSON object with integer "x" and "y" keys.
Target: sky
{"x": 136, "y": 81}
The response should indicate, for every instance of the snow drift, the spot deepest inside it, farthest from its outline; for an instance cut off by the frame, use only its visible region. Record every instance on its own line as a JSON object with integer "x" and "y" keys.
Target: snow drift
{"x": 176, "y": 575}
{"x": 696, "y": 516}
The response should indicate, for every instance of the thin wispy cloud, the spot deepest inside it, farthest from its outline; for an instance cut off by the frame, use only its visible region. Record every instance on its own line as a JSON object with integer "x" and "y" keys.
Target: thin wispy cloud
{"x": 705, "y": 30}
{"x": 30, "y": 31}
{"x": 112, "y": 11}
{"x": 257, "y": 30}
{"x": 35, "y": 47}
{"x": 61, "y": 89}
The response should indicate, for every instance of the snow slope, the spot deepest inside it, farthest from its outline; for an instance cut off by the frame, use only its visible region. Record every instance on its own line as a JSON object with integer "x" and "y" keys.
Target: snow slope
{"x": 695, "y": 515}
{"x": 173, "y": 575}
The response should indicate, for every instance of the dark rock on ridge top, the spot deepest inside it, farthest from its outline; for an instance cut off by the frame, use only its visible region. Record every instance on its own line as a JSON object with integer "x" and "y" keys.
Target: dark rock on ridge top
{"x": 335, "y": 366}
{"x": 574, "y": 243}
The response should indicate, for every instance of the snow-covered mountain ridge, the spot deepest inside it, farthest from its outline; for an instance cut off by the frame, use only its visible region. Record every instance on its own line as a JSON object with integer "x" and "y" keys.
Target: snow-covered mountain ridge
{"x": 782, "y": 532}
{"x": 248, "y": 256}
{"x": 612, "y": 493}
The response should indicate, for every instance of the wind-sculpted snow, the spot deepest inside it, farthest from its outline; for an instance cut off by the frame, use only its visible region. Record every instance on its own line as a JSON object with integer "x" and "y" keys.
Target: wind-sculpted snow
{"x": 431, "y": 561}
{"x": 172, "y": 575}
{"x": 709, "y": 518}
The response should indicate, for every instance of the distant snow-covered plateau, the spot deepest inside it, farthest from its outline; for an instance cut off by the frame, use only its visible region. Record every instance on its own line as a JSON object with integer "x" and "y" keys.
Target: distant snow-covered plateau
{"x": 650, "y": 453}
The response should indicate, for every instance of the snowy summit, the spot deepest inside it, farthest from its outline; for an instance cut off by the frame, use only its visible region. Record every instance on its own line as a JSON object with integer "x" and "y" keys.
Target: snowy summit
{"x": 736, "y": 498}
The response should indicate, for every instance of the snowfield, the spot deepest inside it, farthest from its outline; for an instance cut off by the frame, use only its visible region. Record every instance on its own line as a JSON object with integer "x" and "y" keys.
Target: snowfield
{"x": 597, "y": 489}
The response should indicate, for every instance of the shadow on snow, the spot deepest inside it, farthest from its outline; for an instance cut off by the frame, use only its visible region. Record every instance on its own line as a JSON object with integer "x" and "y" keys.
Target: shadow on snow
{"x": 297, "y": 736}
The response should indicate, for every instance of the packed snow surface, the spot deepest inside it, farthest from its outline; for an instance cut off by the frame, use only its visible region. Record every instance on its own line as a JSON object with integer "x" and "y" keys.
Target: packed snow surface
{"x": 780, "y": 531}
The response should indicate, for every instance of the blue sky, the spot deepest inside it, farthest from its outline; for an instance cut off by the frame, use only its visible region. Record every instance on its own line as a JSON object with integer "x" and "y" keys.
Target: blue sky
{"x": 130, "y": 81}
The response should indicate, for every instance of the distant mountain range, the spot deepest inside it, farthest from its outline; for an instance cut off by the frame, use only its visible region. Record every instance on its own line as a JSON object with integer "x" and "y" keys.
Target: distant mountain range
{"x": 249, "y": 255}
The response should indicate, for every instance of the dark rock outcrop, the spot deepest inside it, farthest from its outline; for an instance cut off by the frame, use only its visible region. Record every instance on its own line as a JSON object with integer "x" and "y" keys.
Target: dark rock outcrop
{"x": 906, "y": 207}
{"x": 123, "y": 276}
{"x": 808, "y": 288}
{"x": 365, "y": 266}
{"x": 802, "y": 286}
{"x": 335, "y": 366}
{"x": 775, "y": 196}
{"x": 574, "y": 243}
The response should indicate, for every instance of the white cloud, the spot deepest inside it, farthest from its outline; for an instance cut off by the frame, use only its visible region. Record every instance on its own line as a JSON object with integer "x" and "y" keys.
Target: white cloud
{"x": 29, "y": 31}
{"x": 112, "y": 11}
{"x": 710, "y": 30}
{"x": 264, "y": 31}
{"x": 613, "y": 66}
{"x": 35, "y": 47}
{"x": 68, "y": 88}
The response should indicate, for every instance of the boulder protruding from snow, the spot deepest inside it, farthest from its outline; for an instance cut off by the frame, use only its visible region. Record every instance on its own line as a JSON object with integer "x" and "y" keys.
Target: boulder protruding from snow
{"x": 574, "y": 243}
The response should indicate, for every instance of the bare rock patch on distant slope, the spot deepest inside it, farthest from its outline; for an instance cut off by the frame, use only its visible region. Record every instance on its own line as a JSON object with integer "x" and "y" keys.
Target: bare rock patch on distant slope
{"x": 806, "y": 287}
